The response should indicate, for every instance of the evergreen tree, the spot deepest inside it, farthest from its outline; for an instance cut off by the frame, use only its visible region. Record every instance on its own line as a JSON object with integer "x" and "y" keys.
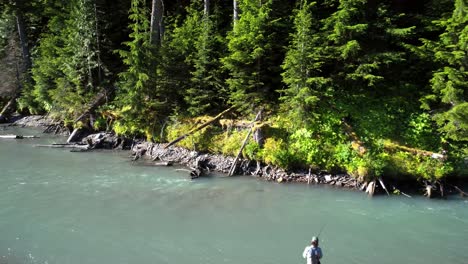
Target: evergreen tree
{"x": 205, "y": 93}
{"x": 253, "y": 46}
{"x": 449, "y": 82}
{"x": 306, "y": 85}
{"x": 136, "y": 94}
{"x": 67, "y": 69}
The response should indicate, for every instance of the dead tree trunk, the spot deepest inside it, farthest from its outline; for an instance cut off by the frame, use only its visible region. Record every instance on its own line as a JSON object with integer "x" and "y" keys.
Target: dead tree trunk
{"x": 98, "y": 44}
{"x": 21, "y": 26}
{"x": 235, "y": 15}
{"x": 371, "y": 188}
{"x": 73, "y": 135}
{"x": 383, "y": 185}
{"x": 233, "y": 167}
{"x": 428, "y": 192}
{"x": 157, "y": 26}
{"x": 258, "y": 133}
{"x": 6, "y": 110}
{"x": 99, "y": 100}
{"x": 206, "y": 9}
{"x": 199, "y": 127}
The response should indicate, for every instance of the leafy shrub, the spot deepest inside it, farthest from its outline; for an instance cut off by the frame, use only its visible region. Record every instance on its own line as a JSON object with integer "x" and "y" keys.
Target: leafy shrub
{"x": 275, "y": 152}
{"x": 420, "y": 132}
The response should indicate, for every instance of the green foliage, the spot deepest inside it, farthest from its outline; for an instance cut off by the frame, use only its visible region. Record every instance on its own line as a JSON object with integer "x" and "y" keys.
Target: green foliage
{"x": 306, "y": 87}
{"x": 206, "y": 91}
{"x": 6, "y": 29}
{"x": 254, "y": 46}
{"x": 140, "y": 93}
{"x": 194, "y": 66}
{"x": 66, "y": 65}
{"x": 420, "y": 132}
{"x": 401, "y": 164}
{"x": 199, "y": 141}
{"x": 449, "y": 81}
{"x": 336, "y": 78}
{"x": 230, "y": 143}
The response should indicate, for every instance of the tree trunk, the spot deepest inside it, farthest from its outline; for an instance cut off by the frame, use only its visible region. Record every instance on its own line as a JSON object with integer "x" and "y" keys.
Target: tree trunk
{"x": 258, "y": 133}
{"x": 235, "y": 16}
{"x": 157, "y": 26}
{"x": 233, "y": 167}
{"x": 99, "y": 100}
{"x": 206, "y": 10}
{"x": 23, "y": 39}
{"x": 198, "y": 128}
{"x": 98, "y": 45}
{"x": 371, "y": 188}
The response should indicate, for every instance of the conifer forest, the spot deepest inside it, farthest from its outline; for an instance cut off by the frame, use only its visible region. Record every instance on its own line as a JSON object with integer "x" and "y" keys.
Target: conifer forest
{"x": 365, "y": 87}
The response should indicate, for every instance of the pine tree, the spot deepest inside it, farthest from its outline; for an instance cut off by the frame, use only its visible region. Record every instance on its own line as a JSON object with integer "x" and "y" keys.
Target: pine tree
{"x": 450, "y": 82}
{"x": 136, "y": 95}
{"x": 67, "y": 69}
{"x": 252, "y": 81}
{"x": 306, "y": 85}
{"x": 205, "y": 93}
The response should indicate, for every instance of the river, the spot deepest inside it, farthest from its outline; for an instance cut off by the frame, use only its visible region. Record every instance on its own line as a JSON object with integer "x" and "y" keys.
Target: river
{"x": 59, "y": 207}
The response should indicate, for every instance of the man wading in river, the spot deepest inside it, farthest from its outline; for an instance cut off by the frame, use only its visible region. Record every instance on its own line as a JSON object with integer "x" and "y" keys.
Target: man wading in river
{"x": 313, "y": 253}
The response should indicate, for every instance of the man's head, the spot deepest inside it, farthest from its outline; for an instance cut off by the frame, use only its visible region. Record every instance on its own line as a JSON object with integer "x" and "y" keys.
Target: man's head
{"x": 314, "y": 241}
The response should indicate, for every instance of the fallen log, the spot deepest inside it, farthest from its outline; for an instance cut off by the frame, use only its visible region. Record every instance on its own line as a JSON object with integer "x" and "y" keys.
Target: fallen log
{"x": 193, "y": 172}
{"x": 383, "y": 185}
{"x": 234, "y": 164}
{"x": 391, "y": 146}
{"x": 462, "y": 193}
{"x": 16, "y": 137}
{"x": 409, "y": 196}
{"x": 72, "y": 146}
{"x": 73, "y": 135}
{"x": 198, "y": 128}
{"x": 7, "y": 109}
{"x": 163, "y": 163}
{"x": 98, "y": 100}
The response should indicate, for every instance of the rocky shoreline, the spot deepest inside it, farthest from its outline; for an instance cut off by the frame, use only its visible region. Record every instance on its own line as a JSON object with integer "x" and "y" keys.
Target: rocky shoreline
{"x": 158, "y": 154}
{"x": 199, "y": 164}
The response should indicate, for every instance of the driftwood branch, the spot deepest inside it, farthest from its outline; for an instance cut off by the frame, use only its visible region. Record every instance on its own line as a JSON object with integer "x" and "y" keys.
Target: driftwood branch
{"x": 383, "y": 185}
{"x": 462, "y": 193}
{"x": 391, "y": 146}
{"x": 16, "y": 136}
{"x": 234, "y": 164}
{"x": 6, "y": 109}
{"x": 199, "y": 127}
{"x": 72, "y": 146}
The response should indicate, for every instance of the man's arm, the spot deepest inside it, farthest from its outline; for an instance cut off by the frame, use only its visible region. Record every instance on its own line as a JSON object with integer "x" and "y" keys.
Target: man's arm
{"x": 304, "y": 254}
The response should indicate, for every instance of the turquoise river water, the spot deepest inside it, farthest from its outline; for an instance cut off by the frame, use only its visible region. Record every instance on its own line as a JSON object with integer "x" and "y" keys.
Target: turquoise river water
{"x": 95, "y": 208}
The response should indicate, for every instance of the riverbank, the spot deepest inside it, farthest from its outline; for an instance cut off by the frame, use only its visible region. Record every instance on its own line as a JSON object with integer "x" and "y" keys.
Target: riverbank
{"x": 199, "y": 164}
